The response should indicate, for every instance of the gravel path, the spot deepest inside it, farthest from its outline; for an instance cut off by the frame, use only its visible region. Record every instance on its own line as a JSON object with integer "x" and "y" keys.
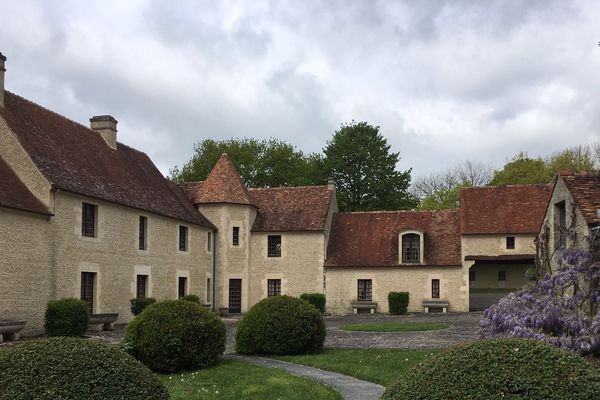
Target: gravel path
{"x": 349, "y": 387}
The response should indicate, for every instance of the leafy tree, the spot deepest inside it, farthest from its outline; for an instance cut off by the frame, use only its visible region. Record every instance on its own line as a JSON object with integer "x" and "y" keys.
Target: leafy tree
{"x": 358, "y": 157}
{"x": 577, "y": 158}
{"x": 522, "y": 170}
{"x": 443, "y": 199}
{"x": 261, "y": 163}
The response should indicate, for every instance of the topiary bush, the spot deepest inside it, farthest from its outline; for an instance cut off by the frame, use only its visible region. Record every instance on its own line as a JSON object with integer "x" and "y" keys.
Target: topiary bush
{"x": 316, "y": 299}
{"x": 501, "y": 368}
{"x": 398, "y": 302}
{"x": 139, "y": 305}
{"x": 74, "y": 369}
{"x": 191, "y": 297}
{"x": 66, "y": 317}
{"x": 281, "y": 325}
{"x": 175, "y": 335}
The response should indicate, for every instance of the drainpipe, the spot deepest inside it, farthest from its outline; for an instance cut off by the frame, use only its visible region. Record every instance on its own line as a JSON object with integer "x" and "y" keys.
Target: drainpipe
{"x": 214, "y": 272}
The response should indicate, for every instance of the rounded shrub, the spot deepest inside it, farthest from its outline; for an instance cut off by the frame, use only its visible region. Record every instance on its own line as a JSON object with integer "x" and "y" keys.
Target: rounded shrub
{"x": 74, "y": 369}
{"x": 138, "y": 305}
{"x": 175, "y": 335}
{"x": 398, "y": 302}
{"x": 191, "y": 297}
{"x": 281, "y": 325}
{"x": 66, "y": 317}
{"x": 500, "y": 368}
{"x": 316, "y": 299}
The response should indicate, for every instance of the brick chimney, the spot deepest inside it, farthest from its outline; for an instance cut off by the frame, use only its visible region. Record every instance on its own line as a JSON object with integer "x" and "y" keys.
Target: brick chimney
{"x": 2, "y": 69}
{"x": 106, "y": 126}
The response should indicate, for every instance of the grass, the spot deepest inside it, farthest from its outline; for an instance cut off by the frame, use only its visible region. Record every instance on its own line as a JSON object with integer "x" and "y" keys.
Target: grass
{"x": 394, "y": 326}
{"x": 234, "y": 380}
{"x": 381, "y": 366}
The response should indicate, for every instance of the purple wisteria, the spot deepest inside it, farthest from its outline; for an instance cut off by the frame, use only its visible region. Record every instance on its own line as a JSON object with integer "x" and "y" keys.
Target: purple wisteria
{"x": 561, "y": 309}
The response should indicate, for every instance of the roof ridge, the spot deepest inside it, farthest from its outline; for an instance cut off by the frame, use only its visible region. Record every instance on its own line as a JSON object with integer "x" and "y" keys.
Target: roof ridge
{"x": 398, "y": 211}
{"x": 288, "y": 187}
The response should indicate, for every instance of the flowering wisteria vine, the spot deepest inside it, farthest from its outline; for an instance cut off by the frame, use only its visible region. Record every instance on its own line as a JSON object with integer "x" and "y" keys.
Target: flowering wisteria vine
{"x": 561, "y": 309}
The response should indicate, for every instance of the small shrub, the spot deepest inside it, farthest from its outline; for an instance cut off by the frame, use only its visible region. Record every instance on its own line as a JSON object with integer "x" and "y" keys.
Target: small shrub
{"x": 191, "y": 297}
{"x": 398, "y": 302}
{"x": 175, "y": 335}
{"x": 316, "y": 299}
{"x": 139, "y": 305}
{"x": 66, "y": 317}
{"x": 501, "y": 368}
{"x": 74, "y": 369}
{"x": 281, "y": 325}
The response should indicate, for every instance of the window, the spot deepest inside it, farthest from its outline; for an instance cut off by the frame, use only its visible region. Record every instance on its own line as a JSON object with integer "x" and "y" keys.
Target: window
{"x": 274, "y": 287}
{"x": 208, "y": 291}
{"x": 209, "y": 241}
{"x": 183, "y": 230}
{"x": 142, "y": 233}
{"x": 502, "y": 275}
{"x": 471, "y": 275}
{"x": 88, "y": 281}
{"x": 182, "y": 286}
{"x": 88, "y": 220}
{"x": 435, "y": 288}
{"x": 141, "y": 286}
{"x": 510, "y": 242}
{"x": 411, "y": 246}
{"x": 365, "y": 290}
{"x": 560, "y": 225}
{"x": 236, "y": 236}
{"x": 274, "y": 245}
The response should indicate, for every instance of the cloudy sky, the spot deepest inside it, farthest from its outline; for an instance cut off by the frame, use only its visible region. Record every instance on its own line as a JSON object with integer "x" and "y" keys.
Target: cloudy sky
{"x": 445, "y": 81}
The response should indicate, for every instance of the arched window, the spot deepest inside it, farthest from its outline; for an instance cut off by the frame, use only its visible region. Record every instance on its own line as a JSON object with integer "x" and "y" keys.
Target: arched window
{"x": 411, "y": 248}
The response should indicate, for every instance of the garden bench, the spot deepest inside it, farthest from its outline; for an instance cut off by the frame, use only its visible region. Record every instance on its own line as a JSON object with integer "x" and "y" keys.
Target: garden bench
{"x": 364, "y": 306}
{"x": 427, "y": 304}
{"x": 106, "y": 320}
{"x": 9, "y": 330}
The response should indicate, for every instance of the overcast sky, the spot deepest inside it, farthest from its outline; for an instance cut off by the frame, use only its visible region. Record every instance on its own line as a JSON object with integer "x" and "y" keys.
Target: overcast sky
{"x": 445, "y": 81}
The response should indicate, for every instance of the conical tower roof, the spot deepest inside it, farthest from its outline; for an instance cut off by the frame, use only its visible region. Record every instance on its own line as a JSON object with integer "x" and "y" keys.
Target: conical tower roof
{"x": 224, "y": 185}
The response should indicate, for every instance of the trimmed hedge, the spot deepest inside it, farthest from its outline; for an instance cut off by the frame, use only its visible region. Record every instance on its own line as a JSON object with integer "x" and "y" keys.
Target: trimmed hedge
{"x": 191, "y": 297}
{"x": 316, "y": 299}
{"x": 74, "y": 369}
{"x": 139, "y": 305}
{"x": 66, "y": 317}
{"x": 175, "y": 335}
{"x": 281, "y": 325}
{"x": 398, "y": 302}
{"x": 501, "y": 368}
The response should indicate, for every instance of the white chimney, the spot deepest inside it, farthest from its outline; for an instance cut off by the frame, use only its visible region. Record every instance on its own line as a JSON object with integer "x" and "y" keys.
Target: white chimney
{"x": 2, "y": 69}
{"x": 106, "y": 126}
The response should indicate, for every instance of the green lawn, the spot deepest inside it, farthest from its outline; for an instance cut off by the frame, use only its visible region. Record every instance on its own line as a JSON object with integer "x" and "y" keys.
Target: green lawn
{"x": 234, "y": 380}
{"x": 394, "y": 326}
{"x": 381, "y": 366}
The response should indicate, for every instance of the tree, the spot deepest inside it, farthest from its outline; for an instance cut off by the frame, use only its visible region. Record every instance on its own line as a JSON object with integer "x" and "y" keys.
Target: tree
{"x": 261, "y": 163}
{"x": 358, "y": 157}
{"x": 522, "y": 170}
{"x": 576, "y": 158}
{"x": 442, "y": 199}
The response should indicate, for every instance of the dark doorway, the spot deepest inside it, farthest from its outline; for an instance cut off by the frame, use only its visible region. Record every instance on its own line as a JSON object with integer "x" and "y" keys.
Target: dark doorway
{"x": 182, "y": 286}
{"x": 88, "y": 279}
{"x": 235, "y": 296}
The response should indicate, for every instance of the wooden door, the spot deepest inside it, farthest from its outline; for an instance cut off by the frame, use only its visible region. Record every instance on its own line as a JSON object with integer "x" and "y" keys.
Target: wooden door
{"x": 87, "y": 289}
{"x": 235, "y": 296}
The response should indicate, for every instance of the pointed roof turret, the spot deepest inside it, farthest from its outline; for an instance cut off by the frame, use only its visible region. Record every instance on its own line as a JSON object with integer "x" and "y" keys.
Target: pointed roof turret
{"x": 223, "y": 185}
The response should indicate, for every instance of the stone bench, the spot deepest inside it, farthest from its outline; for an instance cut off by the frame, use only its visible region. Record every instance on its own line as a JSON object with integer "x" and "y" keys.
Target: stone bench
{"x": 106, "y": 320}
{"x": 360, "y": 305}
{"x": 427, "y": 304}
{"x": 9, "y": 330}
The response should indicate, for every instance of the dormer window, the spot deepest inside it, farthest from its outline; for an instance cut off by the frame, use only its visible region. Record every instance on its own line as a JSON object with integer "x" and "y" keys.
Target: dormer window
{"x": 411, "y": 247}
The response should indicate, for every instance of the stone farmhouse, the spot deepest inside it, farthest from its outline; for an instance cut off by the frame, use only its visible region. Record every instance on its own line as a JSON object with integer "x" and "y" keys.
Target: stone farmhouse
{"x": 83, "y": 215}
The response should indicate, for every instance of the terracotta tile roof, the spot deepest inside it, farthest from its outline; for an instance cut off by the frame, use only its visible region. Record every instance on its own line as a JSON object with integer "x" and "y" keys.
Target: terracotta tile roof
{"x": 76, "y": 159}
{"x": 517, "y": 209}
{"x": 223, "y": 185}
{"x": 14, "y": 193}
{"x": 301, "y": 208}
{"x": 371, "y": 239}
{"x": 585, "y": 189}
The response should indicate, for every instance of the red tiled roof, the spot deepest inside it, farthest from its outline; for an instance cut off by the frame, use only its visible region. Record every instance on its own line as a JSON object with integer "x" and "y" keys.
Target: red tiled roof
{"x": 76, "y": 159}
{"x": 291, "y": 208}
{"x": 585, "y": 189}
{"x": 223, "y": 185}
{"x": 14, "y": 193}
{"x": 371, "y": 239}
{"x": 503, "y": 209}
